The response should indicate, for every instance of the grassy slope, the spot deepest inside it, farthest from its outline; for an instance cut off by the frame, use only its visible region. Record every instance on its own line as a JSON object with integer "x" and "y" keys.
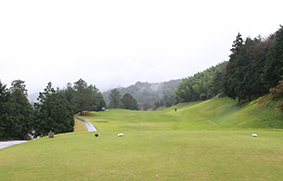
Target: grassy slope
{"x": 208, "y": 115}
{"x": 201, "y": 141}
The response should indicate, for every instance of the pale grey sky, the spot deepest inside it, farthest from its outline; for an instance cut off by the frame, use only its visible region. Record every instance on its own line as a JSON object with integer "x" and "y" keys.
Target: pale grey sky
{"x": 112, "y": 43}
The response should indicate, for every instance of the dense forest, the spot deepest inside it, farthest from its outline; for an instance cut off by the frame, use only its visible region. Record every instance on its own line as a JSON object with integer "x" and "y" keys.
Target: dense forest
{"x": 53, "y": 111}
{"x": 201, "y": 86}
{"x": 254, "y": 68}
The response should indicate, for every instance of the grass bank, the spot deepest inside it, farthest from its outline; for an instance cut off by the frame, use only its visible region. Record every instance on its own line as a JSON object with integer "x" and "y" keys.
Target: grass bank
{"x": 213, "y": 114}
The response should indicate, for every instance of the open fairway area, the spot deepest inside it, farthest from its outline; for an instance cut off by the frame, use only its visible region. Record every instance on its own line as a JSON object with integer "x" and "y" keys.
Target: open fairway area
{"x": 189, "y": 144}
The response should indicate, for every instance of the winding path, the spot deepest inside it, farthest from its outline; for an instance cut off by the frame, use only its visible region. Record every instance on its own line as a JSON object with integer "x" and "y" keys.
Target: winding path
{"x": 88, "y": 124}
{"x": 4, "y": 144}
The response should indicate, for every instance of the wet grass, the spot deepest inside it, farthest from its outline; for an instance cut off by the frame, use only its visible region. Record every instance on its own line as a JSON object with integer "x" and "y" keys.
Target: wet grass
{"x": 209, "y": 140}
{"x": 213, "y": 114}
{"x": 142, "y": 155}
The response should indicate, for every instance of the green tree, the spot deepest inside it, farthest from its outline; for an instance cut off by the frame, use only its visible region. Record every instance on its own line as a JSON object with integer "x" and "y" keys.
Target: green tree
{"x": 157, "y": 104}
{"x": 5, "y": 110}
{"x": 82, "y": 97}
{"x": 94, "y": 102}
{"x": 215, "y": 86}
{"x": 277, "y": 94}
{"x": 274, "y": 62}
{"x": 114, "y": 97}
{"x": 15, "y": 111}
{"x": 22, "y": 114}
{"x": 233, "y": 79}
{"x": 196, "y": 87}
{"x": 146, "y": 106}
{"x": 255, "y": 52}
{"x": 101, "y": 101}
{"x": 128, "y": 102}
{"x": 161, "y": 103}
{"x": 19, "y": 84}
{"x": 69, "y": 92}
{"x": 53, "y": 113}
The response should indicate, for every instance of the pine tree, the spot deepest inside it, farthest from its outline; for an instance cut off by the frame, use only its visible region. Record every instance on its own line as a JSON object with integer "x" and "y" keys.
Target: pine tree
{"x": 114, "y": 97}
{"x": 53, "y": 112}
{"x": 82, "y": 98}
{"x": 5, "y": 110}
{"x": 128, "y": 102}
{"x": 22, "y": 114}
{"x": 234, "y": 76}
{"x": 274, "y": 63}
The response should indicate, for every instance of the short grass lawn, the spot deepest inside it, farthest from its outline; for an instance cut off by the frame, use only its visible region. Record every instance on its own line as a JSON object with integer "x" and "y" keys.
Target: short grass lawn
{"x": 147, "y": 155}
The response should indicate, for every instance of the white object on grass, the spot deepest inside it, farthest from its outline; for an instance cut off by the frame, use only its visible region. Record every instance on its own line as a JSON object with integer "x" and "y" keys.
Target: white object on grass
{"x": 120, "y": 134}
{"x": 254, "y": 135}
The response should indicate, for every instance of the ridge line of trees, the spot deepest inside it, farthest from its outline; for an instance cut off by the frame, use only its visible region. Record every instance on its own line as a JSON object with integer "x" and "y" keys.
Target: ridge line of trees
{"x": 254, "y": 67}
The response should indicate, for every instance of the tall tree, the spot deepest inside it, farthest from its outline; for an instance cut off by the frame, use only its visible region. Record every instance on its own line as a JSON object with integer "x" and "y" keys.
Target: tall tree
{"x": 215, "y": 85}
{"x": 84, "y": 97}
{"x": 19, "y": 84}
{"x": 114, "y": 97}
{"x": 15, "y": 111}
{"x": 128, "y": 102}
{"x": 69, "y": 92}
{"x": 101, "y": 101}
{"x": 255, "y": 71}
{"x": 53, "y": 112}
{"x": 81, "y": 100}
{"x": 274, "y": 63}
{"x": 22, "y": 114}
{"x": 97, "y": 101}
{"x": 5, "y": 110}
{"x": 233, "y": 79}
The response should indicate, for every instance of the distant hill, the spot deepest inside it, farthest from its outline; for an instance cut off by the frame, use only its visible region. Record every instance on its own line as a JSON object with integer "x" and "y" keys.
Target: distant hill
{"x": 145, "y": 92}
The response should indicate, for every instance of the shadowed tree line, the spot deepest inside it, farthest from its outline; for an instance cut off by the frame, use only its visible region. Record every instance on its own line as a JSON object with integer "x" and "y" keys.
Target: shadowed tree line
{"x": 53, "y": 110}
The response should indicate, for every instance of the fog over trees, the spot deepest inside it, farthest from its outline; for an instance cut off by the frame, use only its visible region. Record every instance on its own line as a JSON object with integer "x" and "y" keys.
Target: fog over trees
{"x": 254, "y": 69}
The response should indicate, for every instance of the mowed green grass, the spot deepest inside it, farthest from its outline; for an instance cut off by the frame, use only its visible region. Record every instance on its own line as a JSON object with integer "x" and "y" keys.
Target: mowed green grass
{"x": 213, "y": 114}
{"x": 194, "y": 143}
{"x": 142, "y": 155}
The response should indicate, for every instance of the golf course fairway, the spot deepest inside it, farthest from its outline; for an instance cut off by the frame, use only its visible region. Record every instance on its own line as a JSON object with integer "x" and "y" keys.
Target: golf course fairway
{"x": 209, "y": 140}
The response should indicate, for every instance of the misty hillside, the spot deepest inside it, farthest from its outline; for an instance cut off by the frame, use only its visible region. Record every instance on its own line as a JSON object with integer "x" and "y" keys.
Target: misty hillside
{"x": 145, "y": 92}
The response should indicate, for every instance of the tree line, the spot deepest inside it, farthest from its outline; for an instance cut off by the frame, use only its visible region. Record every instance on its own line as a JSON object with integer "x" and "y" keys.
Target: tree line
{"x": 126, "y": 102}
{"x": 18, "y": 117}
{"x": 202, "y": 85}
{"x": 53, "y": 111}
{"x": 129, "y": 102}
{"x": 254, "y": 67}
{"x": 148, "y": 95}
{"x": 83, "y": 97}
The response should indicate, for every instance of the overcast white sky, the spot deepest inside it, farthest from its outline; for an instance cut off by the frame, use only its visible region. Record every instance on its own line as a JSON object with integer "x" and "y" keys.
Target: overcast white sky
{"x": 112, "y": 43}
